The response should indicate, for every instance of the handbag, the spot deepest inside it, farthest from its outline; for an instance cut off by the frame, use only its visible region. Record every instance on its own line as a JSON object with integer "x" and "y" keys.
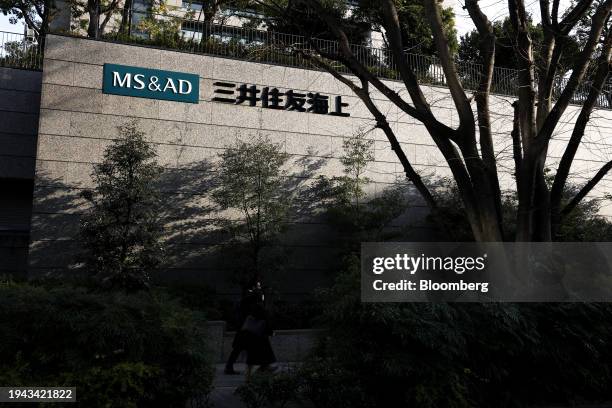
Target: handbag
{"x": 255, "y": 326}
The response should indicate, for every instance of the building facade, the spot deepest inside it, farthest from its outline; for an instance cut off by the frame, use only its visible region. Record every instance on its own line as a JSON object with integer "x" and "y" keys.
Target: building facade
{"x": 79, "y": 117}
{"x": 19, "y": 108}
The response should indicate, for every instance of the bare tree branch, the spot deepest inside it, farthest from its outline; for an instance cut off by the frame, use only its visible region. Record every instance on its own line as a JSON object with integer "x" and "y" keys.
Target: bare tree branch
{"x": 487, "y": 46}
{"x": 548, "y": 69}
{"x": 382, "y": 123}
{"x": 555, "y": 13}
{"x": 555, "y": 39}
{"x": 586, "y": 190}
{"x": 462, "y": 103}
{"x": 572, "y": 18}
{"x": 599, "y": 80}
{"x": 550, "y": 123}
{"x": 524, "y": 49}
{"x": 394, "y": 37}
{"x": 517, "y": 152}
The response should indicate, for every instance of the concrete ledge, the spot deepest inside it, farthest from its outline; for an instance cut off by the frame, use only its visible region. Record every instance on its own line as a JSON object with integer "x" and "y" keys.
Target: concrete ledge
{"x": 288, "y": 345}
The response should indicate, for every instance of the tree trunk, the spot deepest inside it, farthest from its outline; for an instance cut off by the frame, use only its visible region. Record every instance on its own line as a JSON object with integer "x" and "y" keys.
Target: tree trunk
{"x": 126, "y": 17}
{"x": 93, "y": 29}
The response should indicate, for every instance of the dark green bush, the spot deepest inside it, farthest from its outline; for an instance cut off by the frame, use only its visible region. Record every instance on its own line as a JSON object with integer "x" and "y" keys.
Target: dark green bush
{"x": 265, "y": 390}
{"x": 119, "y": 350}
{"x": 583, "y": 224}
{"x": 463, "y": 355}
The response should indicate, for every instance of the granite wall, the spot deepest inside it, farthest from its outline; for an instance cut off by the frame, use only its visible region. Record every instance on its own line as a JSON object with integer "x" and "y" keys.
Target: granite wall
{"x": 78, "y": 121}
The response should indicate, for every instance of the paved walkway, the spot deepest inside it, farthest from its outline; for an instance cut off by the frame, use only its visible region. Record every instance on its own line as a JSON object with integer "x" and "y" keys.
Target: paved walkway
{"x": 222, "y": 395}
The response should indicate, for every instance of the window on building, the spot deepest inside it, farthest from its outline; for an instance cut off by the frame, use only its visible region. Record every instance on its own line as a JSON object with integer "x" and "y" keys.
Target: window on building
{"x": 193, "y": 4}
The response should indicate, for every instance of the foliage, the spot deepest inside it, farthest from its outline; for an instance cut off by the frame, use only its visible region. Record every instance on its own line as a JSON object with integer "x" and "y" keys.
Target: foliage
{"x": 328, "y": 384}
{"x": 297, "y": 19}
{"x": 99, "y": 14}
{"x": 194, "y": 296}
{"x": 252, "y": 181}
{"x": 21, "y": 54}
{"x": 345, "y": 197}
{"x": 268, "y": 390}
{"x": 121, "y": 231}
{"x": 469, "y": 47}
{"x": 416, "y": 33}
{"x": 583, "y": 224}
{"x": 461, "y": 355}
{"x": 162, "y": 26}
{"x": 119, "y": 350}
{"x": 35, "y": 13}
{"x": 317, "y": 382}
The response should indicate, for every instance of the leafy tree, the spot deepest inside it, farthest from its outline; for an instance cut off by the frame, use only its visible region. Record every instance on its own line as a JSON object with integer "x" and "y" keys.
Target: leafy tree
{"x": 252, "y": 182}
{"x": 121, "y": 231}
{"x": 583, "y": 224}
{"x": 470, "y": 47}
{"x": 345, "y": 197}
{"x": 23, "y": 54}
{"x": 118, "y": 349}
{"x": 358, "y": 153}
{"x": 468, "y": 147}
{"x": 416, "y": 32}
{"x": 309, "y": 24}
{"x": 37, "y": 14}
{"x": 162, "y": 26}
{"x": 459, "y": 355}
{"x": 99, "y": 14}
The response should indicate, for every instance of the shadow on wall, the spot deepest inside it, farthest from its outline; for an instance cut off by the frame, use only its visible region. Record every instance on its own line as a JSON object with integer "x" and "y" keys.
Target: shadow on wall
{"x": 199, "y": 249}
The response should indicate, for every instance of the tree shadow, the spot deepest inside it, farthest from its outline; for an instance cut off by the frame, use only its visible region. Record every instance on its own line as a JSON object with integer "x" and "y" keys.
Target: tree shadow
{"x": 199, "y": 250}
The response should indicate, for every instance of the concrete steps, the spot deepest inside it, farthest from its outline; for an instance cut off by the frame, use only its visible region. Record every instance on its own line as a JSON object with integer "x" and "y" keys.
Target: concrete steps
{"x": 223, "y": 395}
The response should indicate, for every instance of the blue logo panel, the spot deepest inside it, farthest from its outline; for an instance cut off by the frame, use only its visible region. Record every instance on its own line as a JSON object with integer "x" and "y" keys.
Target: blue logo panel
{"x": 150, "y": 83}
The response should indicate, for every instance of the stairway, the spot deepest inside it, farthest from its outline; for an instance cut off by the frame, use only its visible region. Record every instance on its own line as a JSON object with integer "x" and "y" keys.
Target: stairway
{"x": 223, "y": 396}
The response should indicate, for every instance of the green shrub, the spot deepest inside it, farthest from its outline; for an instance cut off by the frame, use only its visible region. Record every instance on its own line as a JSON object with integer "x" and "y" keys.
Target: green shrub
{"x": 119, "y": 350}
{"x": 269, "y": 390}
{"x": 462, "y": 355}
{"x": 583, "y": 224}
{"x": 326, "y": 383}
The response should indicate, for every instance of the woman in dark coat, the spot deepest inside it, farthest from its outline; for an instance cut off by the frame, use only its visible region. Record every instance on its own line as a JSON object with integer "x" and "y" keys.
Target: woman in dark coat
{"x": 257, "y": 332}
{"x": 251, "y": 297}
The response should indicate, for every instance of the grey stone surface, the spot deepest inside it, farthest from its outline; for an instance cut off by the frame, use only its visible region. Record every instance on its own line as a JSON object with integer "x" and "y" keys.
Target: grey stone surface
{"x": 77, "y": 122}
{"x": 19, "y": 110}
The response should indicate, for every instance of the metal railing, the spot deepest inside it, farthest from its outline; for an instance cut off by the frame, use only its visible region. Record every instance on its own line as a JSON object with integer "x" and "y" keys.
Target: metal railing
{"x": 194, "y": 35}
{"x": 19, "y": 51}
{"x": 185, "y": 31}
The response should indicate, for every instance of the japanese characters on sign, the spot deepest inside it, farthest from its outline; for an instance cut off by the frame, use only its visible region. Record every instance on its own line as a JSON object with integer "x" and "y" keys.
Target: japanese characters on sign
{"x": 273, "y": 98}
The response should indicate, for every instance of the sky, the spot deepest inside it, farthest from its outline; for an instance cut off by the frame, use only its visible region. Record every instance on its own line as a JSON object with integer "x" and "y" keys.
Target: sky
{"x": 11, "y": 28}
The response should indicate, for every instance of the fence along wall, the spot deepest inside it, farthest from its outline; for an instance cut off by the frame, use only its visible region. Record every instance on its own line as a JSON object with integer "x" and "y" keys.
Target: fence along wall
{"x": 77, "y": 122}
